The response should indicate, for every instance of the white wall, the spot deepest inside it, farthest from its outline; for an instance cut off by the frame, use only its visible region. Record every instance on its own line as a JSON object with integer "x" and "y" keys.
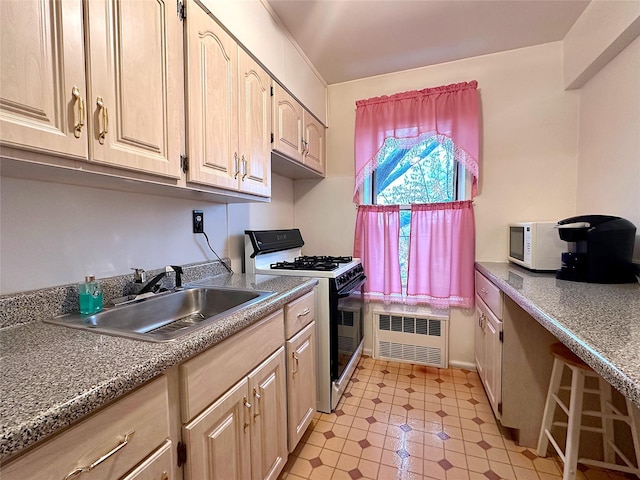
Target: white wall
{"x": 54, "y": 234}
{"x": 528, "y": 155}
{"x": 603, "y": 30}
{"x": 609, "y": 146}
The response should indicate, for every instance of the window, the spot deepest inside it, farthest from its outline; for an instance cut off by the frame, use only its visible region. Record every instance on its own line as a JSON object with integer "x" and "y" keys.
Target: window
{"x": 416, "y": 167}
{"x": 424, "y": 173}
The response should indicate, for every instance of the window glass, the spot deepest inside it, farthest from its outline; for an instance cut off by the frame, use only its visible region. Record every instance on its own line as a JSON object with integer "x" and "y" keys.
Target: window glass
{"x": 424, "y": 173}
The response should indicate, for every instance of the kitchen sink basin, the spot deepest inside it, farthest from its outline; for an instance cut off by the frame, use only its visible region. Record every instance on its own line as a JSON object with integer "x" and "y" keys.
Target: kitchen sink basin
{"x": 166, "y": 316}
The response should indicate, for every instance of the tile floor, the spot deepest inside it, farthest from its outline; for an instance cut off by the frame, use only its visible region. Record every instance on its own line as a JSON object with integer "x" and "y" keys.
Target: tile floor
{"x": 409, "y": 422}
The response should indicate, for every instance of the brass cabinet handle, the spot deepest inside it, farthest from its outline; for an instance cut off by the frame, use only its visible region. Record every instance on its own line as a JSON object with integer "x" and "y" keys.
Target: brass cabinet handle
{"x": 257, "y": 397}
{"x": 305, "y": 312}
{"x": 297, "y": 362}
{"x": 110, "y": 453}
{"x": 105, "y": 120}
{"x": 483, "y": 321}
{"x": 78, "y": 122}
{"x": 248, "y": 406}
{"x": 164, "y": 476}
{"x": 236, "y": 164}
{"x": 244, "y": 168}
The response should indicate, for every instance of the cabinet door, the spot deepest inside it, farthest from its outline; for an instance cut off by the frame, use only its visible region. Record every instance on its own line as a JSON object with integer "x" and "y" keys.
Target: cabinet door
{"x": 494, "y": 363}
{"x": 254, "y": 127}
{"x": 42, "y": 53}
{"x": 287, "y": 124}
{"x": 301, "y": 383}
{"x": 267, "y": 386}
{"x": 212, "y": 101}
{"x": 134, "y": 85}
{"x": 218, "y": 440}
{"x": 491, "y": 343}
{"x": 314, "y": 155}
{"x": 479, "y": 337}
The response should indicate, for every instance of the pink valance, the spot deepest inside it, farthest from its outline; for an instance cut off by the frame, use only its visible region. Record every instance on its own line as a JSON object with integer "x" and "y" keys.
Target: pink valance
{"x": 407, "y": 118}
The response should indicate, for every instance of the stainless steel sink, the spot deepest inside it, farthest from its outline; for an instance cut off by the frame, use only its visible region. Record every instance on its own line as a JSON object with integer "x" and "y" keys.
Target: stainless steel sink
{"x": 167, "y": 316}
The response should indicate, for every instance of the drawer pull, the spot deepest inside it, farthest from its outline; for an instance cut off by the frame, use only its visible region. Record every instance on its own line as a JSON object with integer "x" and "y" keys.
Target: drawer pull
{"x": 483, "y": 291}
{"x": 305, "y": 312}
{"x": 112, "y": 452}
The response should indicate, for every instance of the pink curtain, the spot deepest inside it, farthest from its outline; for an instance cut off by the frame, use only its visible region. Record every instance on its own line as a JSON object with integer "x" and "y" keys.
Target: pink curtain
{"x": 376, "y": 244}
{"x": 441, "y": 255}
{"x": 408, "y": 118}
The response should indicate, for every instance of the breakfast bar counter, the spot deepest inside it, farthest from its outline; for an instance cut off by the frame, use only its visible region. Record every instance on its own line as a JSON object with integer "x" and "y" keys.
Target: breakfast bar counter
{"x": 599, "y": 323}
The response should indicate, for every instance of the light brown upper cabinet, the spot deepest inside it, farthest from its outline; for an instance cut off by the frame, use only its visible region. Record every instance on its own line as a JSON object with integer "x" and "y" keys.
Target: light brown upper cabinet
{"x": 135, "y": 86}
{"x": 42, "y": 79}
{"x": 228, "y": 110}
{"x": 122, "y": 110}
{"x": 297, "y": 134}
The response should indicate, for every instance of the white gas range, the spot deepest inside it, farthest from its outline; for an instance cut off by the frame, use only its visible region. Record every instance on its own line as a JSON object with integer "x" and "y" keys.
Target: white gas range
{"x": 339, "y": 303}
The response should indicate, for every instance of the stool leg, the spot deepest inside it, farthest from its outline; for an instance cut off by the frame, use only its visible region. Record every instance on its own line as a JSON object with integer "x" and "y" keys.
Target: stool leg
{"x": 573, "y": 427}
{"x": 607, "y": 423}
{"x": 549, "y": 407}
{"x": 634, "y": 433}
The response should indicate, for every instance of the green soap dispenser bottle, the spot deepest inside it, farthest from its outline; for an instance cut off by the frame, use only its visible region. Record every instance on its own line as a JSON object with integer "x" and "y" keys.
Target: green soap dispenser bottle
{"x": 90, "y": 296}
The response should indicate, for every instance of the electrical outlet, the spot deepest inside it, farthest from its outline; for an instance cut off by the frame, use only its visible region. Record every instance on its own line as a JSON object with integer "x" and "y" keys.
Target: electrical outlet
{"x": 198, "y": 221}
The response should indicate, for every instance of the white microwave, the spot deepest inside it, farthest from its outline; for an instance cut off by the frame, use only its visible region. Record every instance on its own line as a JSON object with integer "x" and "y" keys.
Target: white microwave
{"x": 536, "y": 245}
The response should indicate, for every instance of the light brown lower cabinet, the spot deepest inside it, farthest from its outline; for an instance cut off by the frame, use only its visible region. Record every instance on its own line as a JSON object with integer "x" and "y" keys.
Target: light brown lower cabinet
{"x": 301, "y": 388}
{"x": 243, "y": 434}
{"x": 241, "y": 405}
{"x": 131, "y": 432}
{"x": 158, "y": 466}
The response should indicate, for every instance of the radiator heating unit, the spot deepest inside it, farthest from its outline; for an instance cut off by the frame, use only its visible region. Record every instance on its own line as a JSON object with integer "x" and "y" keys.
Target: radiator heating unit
{"x": 419, "y": 339}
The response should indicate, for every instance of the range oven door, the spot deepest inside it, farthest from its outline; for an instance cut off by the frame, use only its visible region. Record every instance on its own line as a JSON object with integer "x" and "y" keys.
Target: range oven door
{"x": 346, "y": 324}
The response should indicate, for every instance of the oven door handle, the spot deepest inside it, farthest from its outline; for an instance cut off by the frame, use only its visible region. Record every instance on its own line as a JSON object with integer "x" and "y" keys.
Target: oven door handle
{"x": 351, "y": 287}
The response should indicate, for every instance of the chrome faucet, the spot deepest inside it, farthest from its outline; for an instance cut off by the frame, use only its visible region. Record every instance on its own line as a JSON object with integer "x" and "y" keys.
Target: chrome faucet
{"x": 152, "y": 285}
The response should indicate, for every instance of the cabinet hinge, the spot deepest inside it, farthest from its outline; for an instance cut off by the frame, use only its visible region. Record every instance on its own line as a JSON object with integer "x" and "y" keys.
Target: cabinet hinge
{"x": 182, "y": 454}
{"x": 182, "y": 13}
{"x": 184, "y": 163}
{"x": 272, "y": 139}
{"x": 500, "y": 408}
{"x": 502, "y": 337}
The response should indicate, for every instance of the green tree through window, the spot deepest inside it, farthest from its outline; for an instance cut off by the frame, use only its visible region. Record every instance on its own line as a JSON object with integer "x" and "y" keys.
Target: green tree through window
{"x": 424, "y": 173}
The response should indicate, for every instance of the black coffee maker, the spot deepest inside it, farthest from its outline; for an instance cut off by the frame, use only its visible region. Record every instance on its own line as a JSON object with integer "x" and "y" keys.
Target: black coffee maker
{"x": 600, "y": 249}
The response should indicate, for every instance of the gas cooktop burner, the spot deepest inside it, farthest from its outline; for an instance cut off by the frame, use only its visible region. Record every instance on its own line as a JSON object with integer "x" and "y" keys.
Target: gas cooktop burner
{"x": 323, "y": 263}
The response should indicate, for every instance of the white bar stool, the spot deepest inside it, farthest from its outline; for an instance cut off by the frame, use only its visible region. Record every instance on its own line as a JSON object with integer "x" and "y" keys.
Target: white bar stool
{"x": 563, "y": 357}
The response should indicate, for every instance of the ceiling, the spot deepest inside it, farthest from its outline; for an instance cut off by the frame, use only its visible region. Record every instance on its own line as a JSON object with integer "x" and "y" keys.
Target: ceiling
{"x": 350, "y": 39}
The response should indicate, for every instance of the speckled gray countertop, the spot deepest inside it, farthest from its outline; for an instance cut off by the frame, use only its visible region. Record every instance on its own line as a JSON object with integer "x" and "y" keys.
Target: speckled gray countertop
{"x": 53, "y": 375}
{"x": 599, "y": 323}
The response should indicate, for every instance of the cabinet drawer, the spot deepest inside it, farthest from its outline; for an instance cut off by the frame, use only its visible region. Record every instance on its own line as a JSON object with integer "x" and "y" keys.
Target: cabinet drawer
{"x": 207, "y": 376}
{"x": 158, "y": 466}
{"x": 299, "y": 313}
{"x": 144, "y": 412}
{"x": 491, "y": 294}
